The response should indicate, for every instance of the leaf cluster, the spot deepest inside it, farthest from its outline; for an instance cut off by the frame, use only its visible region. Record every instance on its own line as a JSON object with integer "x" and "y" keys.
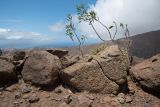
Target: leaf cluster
{"x": 85, "y": 16}
{"x": 70, "y": 27}
{"x": 71, "y": 30}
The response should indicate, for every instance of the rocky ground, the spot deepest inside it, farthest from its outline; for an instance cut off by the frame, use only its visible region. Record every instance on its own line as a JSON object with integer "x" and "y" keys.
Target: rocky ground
{"x": 52, "y": 78}
{"x": 25, "y": 95}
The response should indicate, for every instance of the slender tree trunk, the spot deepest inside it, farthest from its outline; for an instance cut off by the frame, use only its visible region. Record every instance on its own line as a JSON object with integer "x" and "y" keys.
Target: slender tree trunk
{"x": 79, "y": 46}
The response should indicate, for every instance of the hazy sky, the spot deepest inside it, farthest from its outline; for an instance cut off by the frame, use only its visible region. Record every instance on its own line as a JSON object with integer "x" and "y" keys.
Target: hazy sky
{"x": 30, "y": 23}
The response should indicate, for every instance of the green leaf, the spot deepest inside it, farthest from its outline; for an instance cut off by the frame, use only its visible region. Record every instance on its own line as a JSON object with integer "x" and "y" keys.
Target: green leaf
{"x": 69, "y": 17}
{"x": 92, "y": 14}
{"x": 111, "y": 27}
{"x": 121, "y": 25}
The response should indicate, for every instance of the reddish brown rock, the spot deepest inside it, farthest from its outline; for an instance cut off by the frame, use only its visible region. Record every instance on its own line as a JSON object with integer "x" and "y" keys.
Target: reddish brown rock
{"x": 41, "y": 68}
{"x": 7, "y": 71}
{"x": 147, "y": 73}
{"x": 114, "y": 63}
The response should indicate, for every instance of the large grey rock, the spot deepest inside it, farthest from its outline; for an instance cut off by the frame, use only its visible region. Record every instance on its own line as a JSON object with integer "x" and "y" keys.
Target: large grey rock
{"x": 41, "y": 68}
{"x": 98, "y": 74}
{"x": 7, "y": 71}
{"x": 147, "y": 73}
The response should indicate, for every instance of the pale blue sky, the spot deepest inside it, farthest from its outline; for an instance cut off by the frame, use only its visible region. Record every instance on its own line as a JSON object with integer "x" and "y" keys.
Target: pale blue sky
{"x": 36, "y": 15}
{"x": 24, "y": 17}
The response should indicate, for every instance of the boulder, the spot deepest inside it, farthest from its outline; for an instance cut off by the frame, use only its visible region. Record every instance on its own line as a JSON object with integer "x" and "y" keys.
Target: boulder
{"x": 110, "y": 51}
{"x": 41, "y": 68}
{"x": 88, "y": 76}
{"x": 115, "y": 63}
{"x": 58, "y": 52}
{"x": 147, "y": 74}
{"x": 7, "y": 72}
{"x": 7, "y": 57}
{"x": 75, "y": 58}
{"x": 66, "y": 61}
{"x": 69, "y": 60}
{"x": 98, "y": 74}
{"x": 114, "y": 70}
{"x": 136, "y": 60}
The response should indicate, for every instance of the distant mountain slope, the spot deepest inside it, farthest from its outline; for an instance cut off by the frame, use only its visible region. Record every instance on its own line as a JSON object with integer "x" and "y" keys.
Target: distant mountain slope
{"x": 145, "y": 45}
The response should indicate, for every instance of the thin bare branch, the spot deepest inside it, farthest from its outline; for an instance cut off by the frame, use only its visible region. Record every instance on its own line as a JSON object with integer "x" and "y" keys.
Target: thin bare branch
{"x": 110, "y": 35}
{"x": 79, "y": 42}
{"x": 115, "y": 30}
{"x": 97, "y": 32}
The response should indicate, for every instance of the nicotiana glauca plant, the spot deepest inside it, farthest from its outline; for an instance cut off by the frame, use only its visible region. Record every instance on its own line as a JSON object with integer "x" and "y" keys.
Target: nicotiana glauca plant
{"x": 71, "y": 32}
{"x": 127, "y": 41}
{"x": 90, "y": 17}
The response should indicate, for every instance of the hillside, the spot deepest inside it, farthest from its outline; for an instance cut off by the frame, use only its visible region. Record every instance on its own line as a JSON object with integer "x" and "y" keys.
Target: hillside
{"x": 146, "y": 45}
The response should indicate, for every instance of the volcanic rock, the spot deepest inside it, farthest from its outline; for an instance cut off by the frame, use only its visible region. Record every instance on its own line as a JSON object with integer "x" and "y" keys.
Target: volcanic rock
{"x": 41, "y": 68}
